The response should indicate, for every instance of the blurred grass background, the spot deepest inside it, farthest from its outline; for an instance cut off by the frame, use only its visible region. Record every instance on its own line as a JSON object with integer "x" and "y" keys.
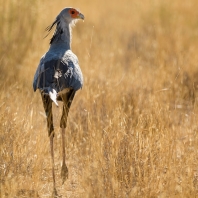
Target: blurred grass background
{"x": 132, "y": 129}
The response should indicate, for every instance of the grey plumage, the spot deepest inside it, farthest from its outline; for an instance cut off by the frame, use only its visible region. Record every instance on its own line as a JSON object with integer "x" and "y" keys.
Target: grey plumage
{"x": 59, "y": 68}
{"x": 58, "y": 77}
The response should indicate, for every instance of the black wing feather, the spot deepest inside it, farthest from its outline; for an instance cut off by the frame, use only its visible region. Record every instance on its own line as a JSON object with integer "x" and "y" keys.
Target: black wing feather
{"x": 54, "y": 76}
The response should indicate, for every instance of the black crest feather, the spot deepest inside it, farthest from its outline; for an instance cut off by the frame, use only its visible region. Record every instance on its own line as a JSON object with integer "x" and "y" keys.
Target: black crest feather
{"x": 57, "y": 32}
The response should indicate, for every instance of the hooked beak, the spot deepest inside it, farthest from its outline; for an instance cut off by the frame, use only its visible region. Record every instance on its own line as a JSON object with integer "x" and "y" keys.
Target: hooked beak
{"x": 81, "y": 16}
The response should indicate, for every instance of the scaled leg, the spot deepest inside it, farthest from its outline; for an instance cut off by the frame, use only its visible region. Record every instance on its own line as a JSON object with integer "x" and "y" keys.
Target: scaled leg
{"x": 47, "y": 103}
{"x": 67, "y": 100}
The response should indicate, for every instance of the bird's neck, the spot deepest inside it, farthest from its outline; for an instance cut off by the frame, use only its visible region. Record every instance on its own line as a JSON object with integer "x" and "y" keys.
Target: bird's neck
{"x": 62, "y": 36}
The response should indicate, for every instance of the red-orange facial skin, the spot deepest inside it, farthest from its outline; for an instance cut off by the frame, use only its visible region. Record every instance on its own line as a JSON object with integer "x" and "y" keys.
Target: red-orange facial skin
{"x": 74, "y": 13}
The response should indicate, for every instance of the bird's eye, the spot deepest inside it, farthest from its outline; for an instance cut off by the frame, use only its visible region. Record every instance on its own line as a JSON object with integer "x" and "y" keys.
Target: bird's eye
{"x": 73, "y": 13}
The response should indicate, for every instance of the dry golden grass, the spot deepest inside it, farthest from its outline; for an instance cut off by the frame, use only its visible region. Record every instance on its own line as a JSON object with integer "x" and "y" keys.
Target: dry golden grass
{"x": 132, "y": 130}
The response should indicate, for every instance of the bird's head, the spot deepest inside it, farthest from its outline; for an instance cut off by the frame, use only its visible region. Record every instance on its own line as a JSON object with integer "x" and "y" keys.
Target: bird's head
{"x": 67, "y": 16}
{"x": 70, "y": 14}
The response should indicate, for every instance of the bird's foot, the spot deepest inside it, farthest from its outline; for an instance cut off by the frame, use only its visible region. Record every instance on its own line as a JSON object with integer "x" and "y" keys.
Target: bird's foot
{"x": 55, "y": 194}
{"x": 64, "y": 173}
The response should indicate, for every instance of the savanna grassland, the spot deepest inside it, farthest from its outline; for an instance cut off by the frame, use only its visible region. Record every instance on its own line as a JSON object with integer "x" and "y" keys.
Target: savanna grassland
{"x": 133, "y": 128}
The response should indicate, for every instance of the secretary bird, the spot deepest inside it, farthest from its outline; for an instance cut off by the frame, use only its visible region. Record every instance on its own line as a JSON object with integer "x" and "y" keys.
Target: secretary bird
{"x": 58, "y": 77}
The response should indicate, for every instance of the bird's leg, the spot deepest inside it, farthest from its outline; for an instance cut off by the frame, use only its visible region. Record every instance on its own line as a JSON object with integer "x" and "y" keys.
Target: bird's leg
{"x": 54, "y": 194}
{"x": 64, "y": 170}
{"x": 47, "y": 103}
{"x": 67, "y": 100}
